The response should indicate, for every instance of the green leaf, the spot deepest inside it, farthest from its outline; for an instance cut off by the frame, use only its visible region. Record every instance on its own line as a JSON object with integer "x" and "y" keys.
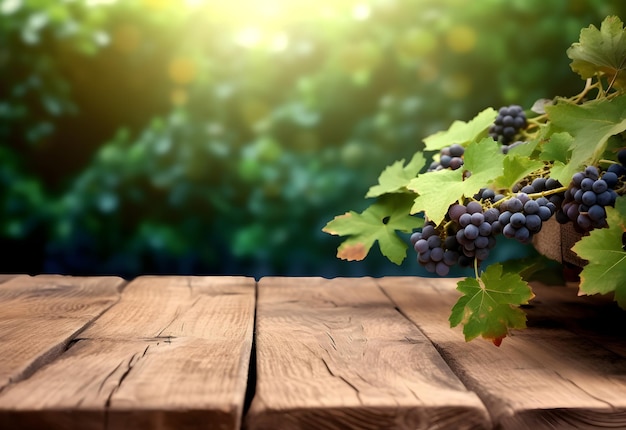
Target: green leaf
{"x": 379, "y": 222}
{"x": 601, "y": 51}
{"x": 462, "y": 132}
{"x": 557, "y": 148}
{"x": 438, "y": 190}
{"x": 606, "y": 268}
{"x": 516, "y": 168}
{"x": 590, "y": 124}
{"x": 395, "y": 178}
{"x": 524, "y": 150}
{"x": 489, "y": 306}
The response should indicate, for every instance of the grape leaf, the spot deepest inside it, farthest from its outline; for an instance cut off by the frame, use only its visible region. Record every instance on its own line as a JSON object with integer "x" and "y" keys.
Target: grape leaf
{"x": 606, "y": 267}
{"x": 438, "y": 190}
{"x": 378, "y": 222}
{"x": 524, "y": 150}
{"x": 462, "y": 132}
{"x": 516, "y": 168}
{"x": 489, "y": 306}
{"x": 601, "y": 51}
{"x": 590, "y": 124}
{"x": 557, "y": 148}
{"x": 396, "y": 176}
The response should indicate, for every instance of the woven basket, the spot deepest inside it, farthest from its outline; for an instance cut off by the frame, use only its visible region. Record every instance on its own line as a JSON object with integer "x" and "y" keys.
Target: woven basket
{"x": 555, "y": 241}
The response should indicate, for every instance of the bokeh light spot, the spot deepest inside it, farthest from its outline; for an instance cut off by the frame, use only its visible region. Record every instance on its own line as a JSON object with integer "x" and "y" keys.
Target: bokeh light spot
{"x": 182, "y": 70}
{"x": 461, "y": 39}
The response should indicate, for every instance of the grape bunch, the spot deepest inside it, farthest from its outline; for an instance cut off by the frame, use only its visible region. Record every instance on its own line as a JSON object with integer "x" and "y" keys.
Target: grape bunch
{"x": 521, "y": 216}
{"x": 586, "y": 198}
{"x": 510, "y": 120}
{"x": 469, "y": 235}
{"x": 475, "y": 234}
{"x": 433, "y": 253}
{"x": 450, "y": 157}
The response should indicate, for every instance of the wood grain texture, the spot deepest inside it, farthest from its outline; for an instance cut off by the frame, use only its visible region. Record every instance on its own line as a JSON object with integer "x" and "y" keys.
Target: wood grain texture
{"x": 40, "y": 315}
{"x": 335, "y": 354}
{"x": 6, "y": 277}
{"x": 173, "y": 353}
{"x": 544, "y": 377}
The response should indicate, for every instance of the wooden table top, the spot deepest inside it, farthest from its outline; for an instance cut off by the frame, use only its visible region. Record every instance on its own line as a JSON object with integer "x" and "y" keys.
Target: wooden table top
{"x": 168, "y": 352}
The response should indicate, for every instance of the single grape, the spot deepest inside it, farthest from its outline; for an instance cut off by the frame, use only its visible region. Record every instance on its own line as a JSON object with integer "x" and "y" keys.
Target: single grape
{"x": 456, "y": 150}
{"x": 589, "y": 198}
{"x": 592, "y": 172}
{"x": 610, "y": 178}
{"x": 442, "y": 269}
{"x": 596, "y": 213}
{"x": 587, "y": 184}
{"x": 477, "y": 218}
{"x": 471, "y": 232}
{"x": 455, "y": 211}
{"x": 533, "y": 223}
{"x": 436, "y": 254}
{"x": 621, "y": 156}
{"x": 583, "y": 221}
{"x": 421, "y": 246}
{"x": 474, "y": 207}
{"x": 465, "y": 220}
{"x": 514, "y": 205}
{"x": 531, "y": 207}
{"x": 518, "y": 219}
{"x": 522, "y": 234}
{"x": 456, "y": 163}
{"x": 427, "y": 231}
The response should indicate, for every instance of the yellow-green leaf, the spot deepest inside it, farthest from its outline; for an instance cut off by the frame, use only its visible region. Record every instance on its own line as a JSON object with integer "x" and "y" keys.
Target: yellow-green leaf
{"x": 605, "y": 271}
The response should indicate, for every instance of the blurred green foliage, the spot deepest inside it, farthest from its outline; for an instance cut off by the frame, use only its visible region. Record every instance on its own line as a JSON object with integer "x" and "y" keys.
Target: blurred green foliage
{"x": 156, "y": 136}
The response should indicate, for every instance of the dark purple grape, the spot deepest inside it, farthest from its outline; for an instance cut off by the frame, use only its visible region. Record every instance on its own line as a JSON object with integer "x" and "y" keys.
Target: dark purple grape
{"x": 589, "y": 198}
{"x": 421, "y": 246}
{"x": 442, "y": 269}
{"x": 455, "y": 211}
{"x": 456, "y": 150}
{"x": 596, "y": 213}
{"x": 531, "y": 207}
{"x": 610, "y": 178}
{"x": 474, "y": 207}
{"x": 436, "y": 254}
{"x": 471, "y": 232}
{"x": 621, "y": 156}
{"x": 518, "y": 219}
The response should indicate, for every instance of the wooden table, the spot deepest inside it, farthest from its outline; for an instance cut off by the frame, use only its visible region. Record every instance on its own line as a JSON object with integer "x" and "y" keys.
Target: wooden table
{"x": 297, "y": 353}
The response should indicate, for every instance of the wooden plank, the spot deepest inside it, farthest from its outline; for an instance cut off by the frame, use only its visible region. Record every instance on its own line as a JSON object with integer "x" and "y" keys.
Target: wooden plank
{"x": 40, "y": 315}
{"x": 173, "y": 353}
{"x": 597, "y": 317}
{"x": 544, "y": 377}
{"x": 5, "y": 277}
{"x": 335, "y": 354}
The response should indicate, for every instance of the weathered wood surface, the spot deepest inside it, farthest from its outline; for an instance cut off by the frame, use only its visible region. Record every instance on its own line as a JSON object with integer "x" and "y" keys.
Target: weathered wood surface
{"x": 555, "y": 374}
{"x": 40, "y": 315}
{"x": 172, "y": 353}
{"x": 359, "y": 353}
{"x": 336, "y": 354}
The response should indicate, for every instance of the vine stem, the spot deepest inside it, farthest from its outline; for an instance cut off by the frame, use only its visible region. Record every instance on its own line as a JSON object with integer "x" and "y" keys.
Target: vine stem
{"x": 477, "y": 274}
{"x": 548, "y": 192}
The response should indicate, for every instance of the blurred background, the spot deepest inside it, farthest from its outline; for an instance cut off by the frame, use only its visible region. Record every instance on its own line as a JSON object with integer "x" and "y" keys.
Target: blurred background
{"x": 219, "y": 137}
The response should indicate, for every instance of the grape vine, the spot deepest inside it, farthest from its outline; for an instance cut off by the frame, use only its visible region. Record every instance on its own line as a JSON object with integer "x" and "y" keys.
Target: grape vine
{"x": 507, "y": 173}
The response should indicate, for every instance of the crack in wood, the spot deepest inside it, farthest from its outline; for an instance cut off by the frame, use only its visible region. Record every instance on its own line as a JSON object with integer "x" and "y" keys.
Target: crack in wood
{"x": 132, "y": 362}
{"x": 344, "y": 379}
